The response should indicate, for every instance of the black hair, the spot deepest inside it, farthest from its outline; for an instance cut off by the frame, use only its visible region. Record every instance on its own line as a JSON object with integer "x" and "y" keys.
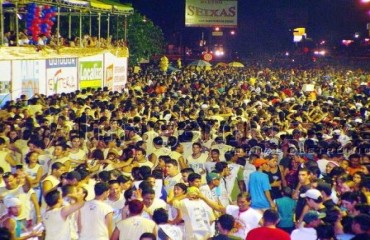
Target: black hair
{"x": 100, "y": 188}
{"x": 187, "y": 170}
{"x": 182, "y": 186}
{"x": 226, "y": 221}
{"x": 123, "y": 179}
{"x": 325, "y": 231}
{"x": 160, "y": 216}
{"x": 147, "y": 190}
{"x": 270, "y": 216}
{"x": 172, "y": 161}
{"x": 147, "y": 235}
{"x": 56, "y": 166}
{"x": 144, "y": 184}
{"x": 128, "y": 194}
{"x": 194, "y": 176}
{"x": 104, "y": 176}
{"x": 52, "y": 197}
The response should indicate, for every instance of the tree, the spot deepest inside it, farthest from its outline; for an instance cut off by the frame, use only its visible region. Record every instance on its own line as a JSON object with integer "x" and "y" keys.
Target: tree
{"x": 144, "y": 38}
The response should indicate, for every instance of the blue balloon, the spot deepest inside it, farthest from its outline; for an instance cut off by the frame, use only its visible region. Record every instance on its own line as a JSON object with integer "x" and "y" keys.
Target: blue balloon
{"x": 53, "y": 19}
{"x": 54, "y": 9}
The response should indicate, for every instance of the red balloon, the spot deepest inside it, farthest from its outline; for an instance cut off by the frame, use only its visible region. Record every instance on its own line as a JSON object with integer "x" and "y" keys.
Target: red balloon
{"x": 48, "y": 15}
{"x": 47, "y": 7}
{"x": 47, "y": 35}
{"x": 35, "y": 38}
{"x": 54, "y": 14}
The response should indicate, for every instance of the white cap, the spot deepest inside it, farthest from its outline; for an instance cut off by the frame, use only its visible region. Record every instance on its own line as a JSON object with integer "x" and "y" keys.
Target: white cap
{"x": 12, "y": 202}
{"x": 312, "y": 193}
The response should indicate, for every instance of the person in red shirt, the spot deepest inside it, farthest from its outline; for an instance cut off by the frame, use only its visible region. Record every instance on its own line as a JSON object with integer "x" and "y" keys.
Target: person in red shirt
{"x": 268, "y": 231}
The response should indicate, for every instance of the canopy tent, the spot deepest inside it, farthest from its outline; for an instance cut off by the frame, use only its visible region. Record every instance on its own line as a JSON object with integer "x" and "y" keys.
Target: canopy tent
{"x": 90, "y": 5}
{"x": 200, "y": 63}
{"x": 236, "y": 64}
{"x": 77, "y": 2}
{"x": 73, "y": 7}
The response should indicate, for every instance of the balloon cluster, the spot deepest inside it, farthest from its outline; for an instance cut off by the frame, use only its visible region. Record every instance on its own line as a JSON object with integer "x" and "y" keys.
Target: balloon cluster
{"x": 40, "y": 19}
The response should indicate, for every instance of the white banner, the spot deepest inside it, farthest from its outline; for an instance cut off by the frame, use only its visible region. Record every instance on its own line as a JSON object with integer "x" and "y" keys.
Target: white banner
{"x": 27, "y": 77}
{"x": 211, "y": 13}
{"x": 115, "y": 74}
{"x": 61, "y": 75}
{"x": 5, "y": 87}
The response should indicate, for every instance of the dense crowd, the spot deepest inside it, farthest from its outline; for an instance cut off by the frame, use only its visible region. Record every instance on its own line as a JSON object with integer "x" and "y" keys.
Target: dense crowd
{"x": 247, "y": 153}
{"x": 24, "y": 39}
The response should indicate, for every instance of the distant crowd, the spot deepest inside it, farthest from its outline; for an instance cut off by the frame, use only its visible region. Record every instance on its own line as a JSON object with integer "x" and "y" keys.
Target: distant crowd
{"x": 230, "y": 153}
{"x": 87, "y": 41}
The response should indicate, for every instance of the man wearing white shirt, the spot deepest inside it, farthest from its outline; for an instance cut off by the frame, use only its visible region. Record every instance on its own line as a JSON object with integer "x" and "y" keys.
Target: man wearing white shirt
{"x": 246, "y": 218}
{"x": 115, "y": 200}
{"x": 311, "y": 219}
{"x": 151, "y": 203}
{"x": 173, "y": 174}
{"x": 197, "y": 215}
{"x": 96, "y": 217}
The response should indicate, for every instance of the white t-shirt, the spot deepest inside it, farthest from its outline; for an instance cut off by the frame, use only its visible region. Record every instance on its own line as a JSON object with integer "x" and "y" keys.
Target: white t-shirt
{"x": 197, "y": 216}
{"x": 170, "y": 182}
{"x": 133, "y": 227}
{"x": 117, "y": 207}
{"x": 157, "y": 203}
{"x": 245, "y": 221}
{"x": 92, "y": 218}
{"x": 172, "y": 231}
{"x": 304, "y": 234}
{"x": 55, "y": 226}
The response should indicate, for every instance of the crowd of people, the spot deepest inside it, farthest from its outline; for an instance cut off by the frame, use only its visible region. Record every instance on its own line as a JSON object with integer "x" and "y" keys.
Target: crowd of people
{"x": 229, "y": 153}
{"x": 24, "y": 39}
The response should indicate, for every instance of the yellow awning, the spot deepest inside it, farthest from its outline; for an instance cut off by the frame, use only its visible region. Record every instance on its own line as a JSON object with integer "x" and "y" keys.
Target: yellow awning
{"x": 100, "y": 5}
{"x": 118, "y": 6}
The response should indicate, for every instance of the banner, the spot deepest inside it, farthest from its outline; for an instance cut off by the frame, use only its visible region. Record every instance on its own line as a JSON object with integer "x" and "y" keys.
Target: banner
{"x": 91, "y": 72}
{"x": 120, "y": 74}
{"x": 61, "y": 75}
{"x": 115, "y": 76}
{"x": 27, "y": 77}
{"x": 211, "y": 13}
{"x": 5, "y": 84}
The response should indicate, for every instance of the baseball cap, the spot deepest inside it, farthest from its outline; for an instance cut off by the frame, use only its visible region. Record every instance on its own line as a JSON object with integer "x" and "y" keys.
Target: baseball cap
{"x": 259, "y": 162}
{"x": 312, "y": 216}
{"x": 12, "y": 202}
{"x": 312, "y": 193}
{"x": 212, "y": 176}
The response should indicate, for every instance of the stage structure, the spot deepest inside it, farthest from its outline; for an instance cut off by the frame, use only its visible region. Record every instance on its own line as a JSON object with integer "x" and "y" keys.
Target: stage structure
{"x": 70, "y": 8}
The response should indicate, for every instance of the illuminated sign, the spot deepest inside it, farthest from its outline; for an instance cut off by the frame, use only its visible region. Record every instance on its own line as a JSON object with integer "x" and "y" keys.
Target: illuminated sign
{"x": 211, "y": 13}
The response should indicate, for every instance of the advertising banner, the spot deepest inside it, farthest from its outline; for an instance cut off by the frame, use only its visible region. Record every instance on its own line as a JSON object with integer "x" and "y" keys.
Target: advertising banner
{"x": 91, "y": 71}
{"x": 115, "y": 74}
{"x": 61, "y": 75}
{"x": 27, "y": 77}
{"x": 5, "y": 87}
{"x": 211, "y": 13}
{"x": 120, "y": 74}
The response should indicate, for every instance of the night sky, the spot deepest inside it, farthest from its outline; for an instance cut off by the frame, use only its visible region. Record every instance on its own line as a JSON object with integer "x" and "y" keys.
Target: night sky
{"x": 263, "y": 25}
